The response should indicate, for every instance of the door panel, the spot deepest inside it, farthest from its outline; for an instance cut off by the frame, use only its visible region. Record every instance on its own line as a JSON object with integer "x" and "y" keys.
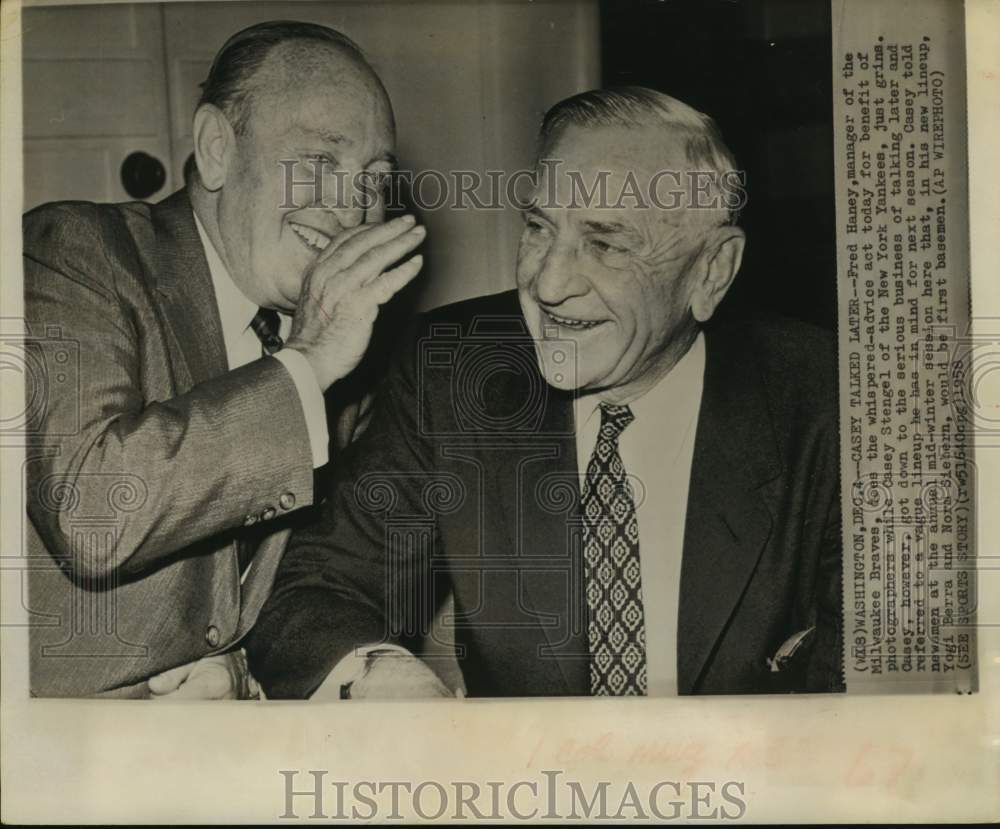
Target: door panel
{"x": 94, "y": 91}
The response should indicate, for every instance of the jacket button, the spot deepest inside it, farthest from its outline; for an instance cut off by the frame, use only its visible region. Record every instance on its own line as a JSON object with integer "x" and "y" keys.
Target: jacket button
{"x": 286, "y": 501}
{"x": 269, "y": 513}
{"x": 212, "y": 636}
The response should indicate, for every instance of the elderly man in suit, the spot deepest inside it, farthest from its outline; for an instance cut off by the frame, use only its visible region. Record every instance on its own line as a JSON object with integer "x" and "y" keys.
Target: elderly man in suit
{"x": 622, "y": 494}
{"x": 163, "y": 481}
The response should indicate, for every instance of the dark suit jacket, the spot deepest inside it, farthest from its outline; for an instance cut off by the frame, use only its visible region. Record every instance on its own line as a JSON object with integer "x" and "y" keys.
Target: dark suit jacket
{"x": 145, "y": 453}
{"x": 467, "y": 479}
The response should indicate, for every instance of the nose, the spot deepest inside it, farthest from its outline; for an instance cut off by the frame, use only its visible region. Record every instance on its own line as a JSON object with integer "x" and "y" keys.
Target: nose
{"x": 342, "y": 198}
{"x": 349, "y": 217}
{"x": 559, "y": 279}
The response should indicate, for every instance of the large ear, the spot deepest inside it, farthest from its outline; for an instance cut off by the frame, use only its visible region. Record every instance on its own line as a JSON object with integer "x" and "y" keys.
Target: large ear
{"x": 214, "y": 144}
{"x": 721, "y": 258}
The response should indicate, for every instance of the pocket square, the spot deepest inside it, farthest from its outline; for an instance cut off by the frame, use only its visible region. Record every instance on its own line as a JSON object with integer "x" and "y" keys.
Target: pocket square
{"x": 788, "y": 649}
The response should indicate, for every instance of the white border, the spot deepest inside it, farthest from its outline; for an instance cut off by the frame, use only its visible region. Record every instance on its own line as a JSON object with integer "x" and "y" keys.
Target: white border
{"x": 803, "y": 759}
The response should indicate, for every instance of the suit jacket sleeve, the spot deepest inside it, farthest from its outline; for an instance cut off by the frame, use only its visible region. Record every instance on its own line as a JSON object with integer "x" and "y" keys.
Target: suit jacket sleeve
{"x": 334, "y": 589}
{"x": 176, "y": 470}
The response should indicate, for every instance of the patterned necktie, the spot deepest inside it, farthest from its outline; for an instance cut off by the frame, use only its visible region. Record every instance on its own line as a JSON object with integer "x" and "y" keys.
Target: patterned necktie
{"x": 266, "y": 325}
{"x": 616, "y": 627}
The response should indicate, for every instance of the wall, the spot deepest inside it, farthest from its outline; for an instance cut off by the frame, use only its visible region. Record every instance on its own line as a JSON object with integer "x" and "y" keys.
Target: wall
{"x": 469, "y": 82}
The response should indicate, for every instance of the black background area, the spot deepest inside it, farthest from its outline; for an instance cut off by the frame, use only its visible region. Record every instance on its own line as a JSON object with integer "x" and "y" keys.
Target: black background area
{"x": 762, "y": 70}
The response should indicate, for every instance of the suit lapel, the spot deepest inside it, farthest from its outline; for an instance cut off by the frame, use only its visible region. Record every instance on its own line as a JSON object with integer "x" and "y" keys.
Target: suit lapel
{"x": 188, "y": 297}
{"x": 535, "y": 512}
{"x": 258, "y": 582}
{"x": 728, "y": 521}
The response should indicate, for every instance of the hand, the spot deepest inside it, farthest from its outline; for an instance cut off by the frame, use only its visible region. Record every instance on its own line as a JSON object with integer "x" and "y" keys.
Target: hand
{"x": 398, "y": 676}
{"x": 343, "y": 291}
{"x": 224, "y": 676}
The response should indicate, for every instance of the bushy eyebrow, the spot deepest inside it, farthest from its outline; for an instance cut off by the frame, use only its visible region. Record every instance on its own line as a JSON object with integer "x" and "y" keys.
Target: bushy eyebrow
{"x": 608, "y": 227}
{"x": 339, "y": 139}
{"x": 327, "y": 136}
{"x": 591, "y": 225}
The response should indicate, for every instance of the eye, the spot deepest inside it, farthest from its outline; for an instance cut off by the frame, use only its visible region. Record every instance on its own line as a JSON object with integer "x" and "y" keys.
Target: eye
{"x": 534, "y": 225}
{"x": 605, "y": 247}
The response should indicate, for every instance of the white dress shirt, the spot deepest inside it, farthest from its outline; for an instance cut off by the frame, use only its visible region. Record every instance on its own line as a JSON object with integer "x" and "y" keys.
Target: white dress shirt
{"x": 243, "y": 347}
{"x": 656, "y": 449}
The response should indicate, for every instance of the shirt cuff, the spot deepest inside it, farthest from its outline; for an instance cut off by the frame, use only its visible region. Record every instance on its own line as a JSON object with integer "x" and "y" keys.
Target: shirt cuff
{"x": 311, "y": 398}
{"x": 350, "y": 669}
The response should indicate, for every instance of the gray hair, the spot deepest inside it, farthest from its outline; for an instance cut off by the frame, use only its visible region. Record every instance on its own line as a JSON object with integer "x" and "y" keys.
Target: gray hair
{"x": 636, "y": 106}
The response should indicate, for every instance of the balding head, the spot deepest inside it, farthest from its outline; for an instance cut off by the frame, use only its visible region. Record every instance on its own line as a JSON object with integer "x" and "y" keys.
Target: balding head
{"x": 286, "y": 104}
{"x": 259, "y": 57}
{"x": 685, "y": 139}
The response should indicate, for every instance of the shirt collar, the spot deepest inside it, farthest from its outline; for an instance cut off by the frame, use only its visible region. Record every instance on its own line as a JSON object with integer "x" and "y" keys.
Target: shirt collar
{"x": 235, "y": 310}
{"x": 680, "y": 387}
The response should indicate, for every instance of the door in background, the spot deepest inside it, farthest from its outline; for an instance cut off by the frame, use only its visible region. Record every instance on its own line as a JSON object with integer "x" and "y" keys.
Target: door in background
{"x": 94, "y": 84}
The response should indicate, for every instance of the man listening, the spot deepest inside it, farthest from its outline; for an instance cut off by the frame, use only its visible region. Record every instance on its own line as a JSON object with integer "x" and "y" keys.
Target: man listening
{"x": 623, "y": 495}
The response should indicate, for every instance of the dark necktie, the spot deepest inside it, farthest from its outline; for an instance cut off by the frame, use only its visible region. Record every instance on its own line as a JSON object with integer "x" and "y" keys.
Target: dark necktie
{"x": 266, "y": 324}
{"x": 615, "y": 628}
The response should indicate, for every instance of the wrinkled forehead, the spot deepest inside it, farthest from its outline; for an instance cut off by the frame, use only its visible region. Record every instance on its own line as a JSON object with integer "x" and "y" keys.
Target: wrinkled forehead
{"x": 323, "y": 88}
{"x": 611, "y": 175}
{"x": 298, "y": 62}
{"x": 620, "y": 150}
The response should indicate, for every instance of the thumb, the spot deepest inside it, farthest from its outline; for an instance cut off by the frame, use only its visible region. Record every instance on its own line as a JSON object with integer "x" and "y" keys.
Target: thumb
{"x": 170, "y": 680}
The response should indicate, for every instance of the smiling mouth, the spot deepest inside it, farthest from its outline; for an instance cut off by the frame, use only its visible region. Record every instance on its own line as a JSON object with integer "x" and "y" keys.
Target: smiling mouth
{"x": 315, "y": 239}
{"x": 576, "y": 325}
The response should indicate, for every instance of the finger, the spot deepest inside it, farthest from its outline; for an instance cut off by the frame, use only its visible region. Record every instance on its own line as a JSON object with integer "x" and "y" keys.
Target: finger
{"x": 438, "y": 688}
{"x": 169, "y": 680}
{"x": 375, "y": 214}
{"x": 314, "y": 278}
{"x": 391, "y": 282}
{"x": 383, "y": 232}
{"x": 213, "y": 682}
{"x": 375, "y": 261}
{"x": 340, "y": 240}
{"x": 370, "y": 237}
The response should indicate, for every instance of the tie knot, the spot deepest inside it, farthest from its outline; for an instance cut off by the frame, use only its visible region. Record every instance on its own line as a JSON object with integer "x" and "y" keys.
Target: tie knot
{"x": 614, "y": 420}
{"x": 266, "y": 325}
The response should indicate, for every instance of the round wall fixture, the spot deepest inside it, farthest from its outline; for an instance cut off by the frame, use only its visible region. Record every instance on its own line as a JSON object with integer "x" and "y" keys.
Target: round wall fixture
{"x": 142, "y": 175}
